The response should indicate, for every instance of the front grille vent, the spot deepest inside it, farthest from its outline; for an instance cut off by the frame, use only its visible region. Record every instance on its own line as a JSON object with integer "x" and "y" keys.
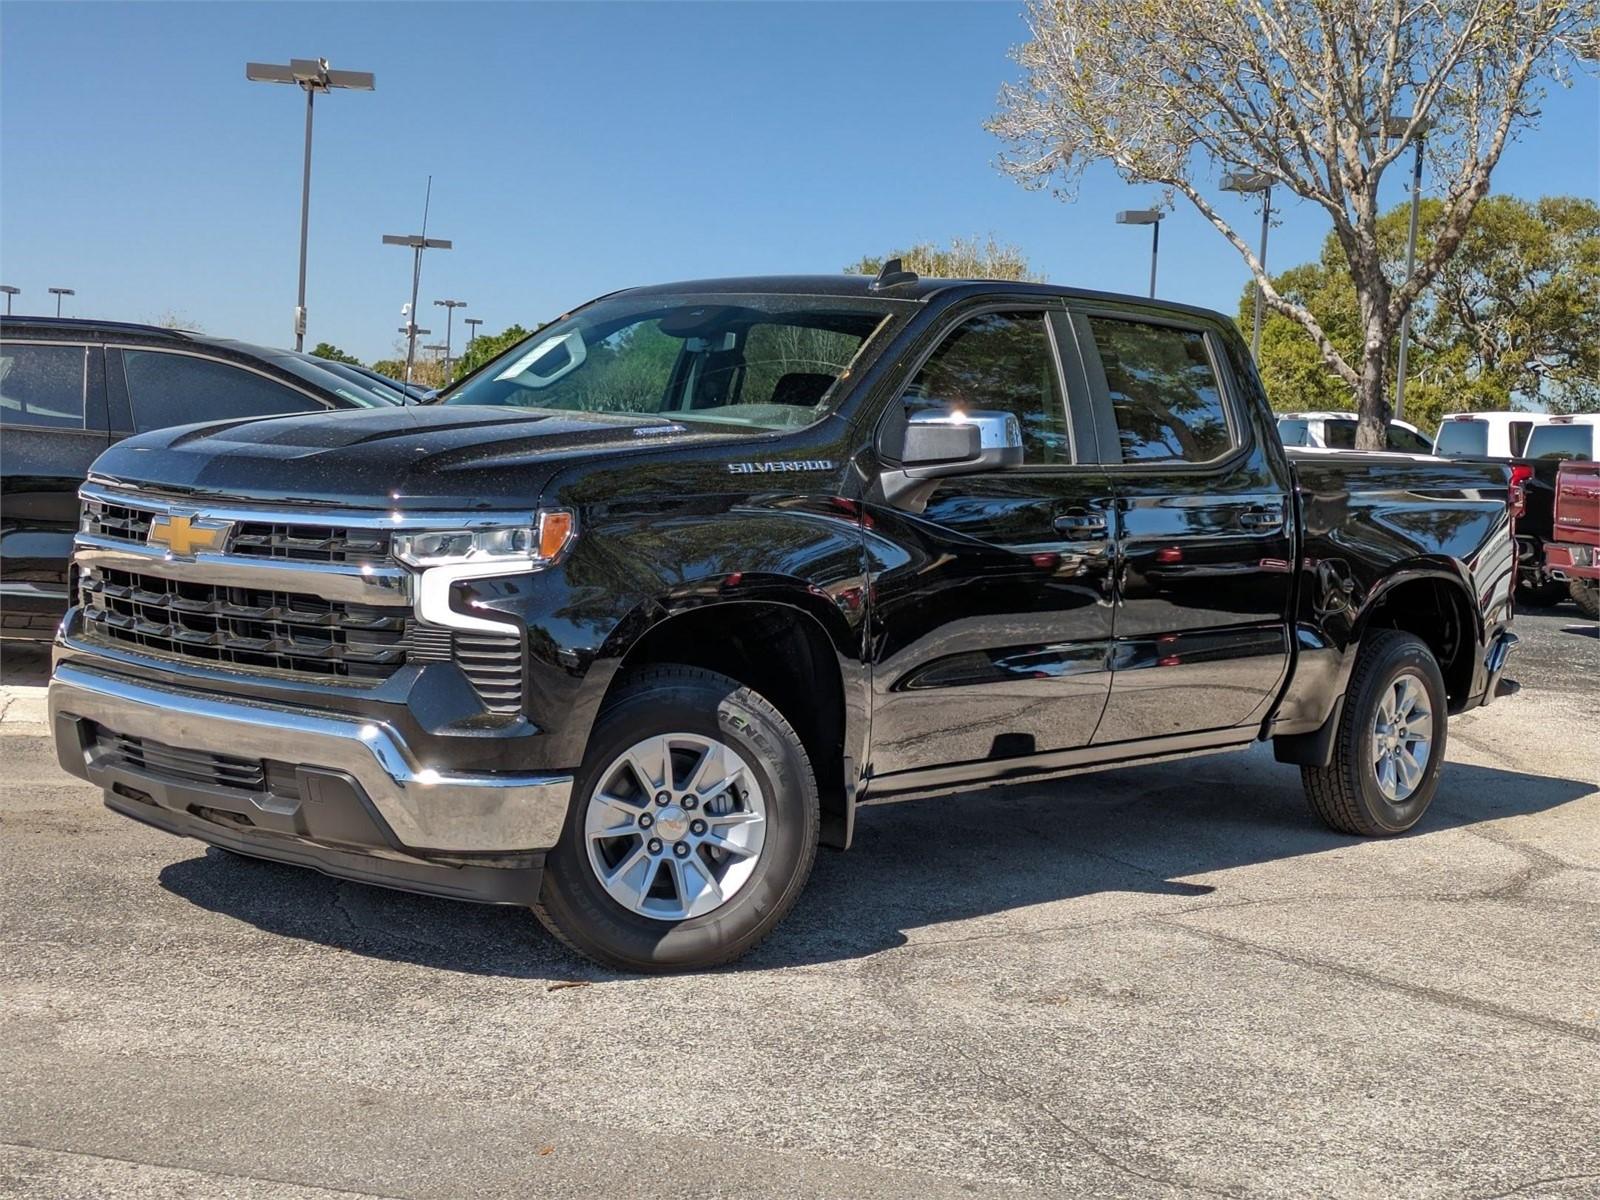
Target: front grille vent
{"x": 493, "y": 662}
{"x": 311, "y": 543}
{"x": 174, "y": 762}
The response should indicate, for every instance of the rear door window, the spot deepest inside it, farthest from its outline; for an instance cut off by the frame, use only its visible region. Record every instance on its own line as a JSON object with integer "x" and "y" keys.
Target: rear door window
{"x": 1339, "y": 435}
{"x": 179, "y": 389}
{"x": 42, "y": 386}
{"x": 1519, "y": 436}
{"x": 1462, "y": 439}
{"x": 1562, "y": 442}
{"x": 1164, "y": 391}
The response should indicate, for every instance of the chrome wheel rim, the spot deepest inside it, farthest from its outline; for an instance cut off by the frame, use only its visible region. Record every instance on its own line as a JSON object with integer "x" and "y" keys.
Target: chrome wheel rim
{"x": 1402, "y": 738}
{"x": 675, "y": 825}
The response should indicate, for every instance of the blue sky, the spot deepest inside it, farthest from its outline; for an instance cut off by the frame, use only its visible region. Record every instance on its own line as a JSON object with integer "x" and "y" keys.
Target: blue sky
{"x": 575, "y": 149}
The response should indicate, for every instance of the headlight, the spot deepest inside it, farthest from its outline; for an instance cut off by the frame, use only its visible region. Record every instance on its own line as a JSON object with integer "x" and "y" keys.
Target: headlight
{"x": 535, "y": 544}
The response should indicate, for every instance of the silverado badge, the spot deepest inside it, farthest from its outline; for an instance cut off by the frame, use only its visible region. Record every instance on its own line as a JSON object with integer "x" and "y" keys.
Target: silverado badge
{"x": 186, "y": 536}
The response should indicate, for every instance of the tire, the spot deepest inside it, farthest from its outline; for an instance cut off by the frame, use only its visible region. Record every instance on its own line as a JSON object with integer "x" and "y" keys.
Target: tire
{"x": 1349, "y": 793}
{"x": 675, "y": 713}
{"x": 1542, "y": 595}
{"x": 1586, "y": 595}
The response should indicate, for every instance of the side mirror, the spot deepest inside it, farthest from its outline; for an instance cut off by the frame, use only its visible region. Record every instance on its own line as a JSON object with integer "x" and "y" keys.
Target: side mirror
{"x": 948, "y": 442}
{"x": 935, "y": 442}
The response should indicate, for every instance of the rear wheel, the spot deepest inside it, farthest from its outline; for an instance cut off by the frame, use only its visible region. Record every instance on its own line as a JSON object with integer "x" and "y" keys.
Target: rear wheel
{"x": 1390, "y": 741}
{"x": 692, "y": 828}
{"x": 1586, "y": 595}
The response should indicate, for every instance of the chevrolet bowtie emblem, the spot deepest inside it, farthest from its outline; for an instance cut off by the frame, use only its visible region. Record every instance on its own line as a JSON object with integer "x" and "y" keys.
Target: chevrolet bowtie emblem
{"x": 185, "y": 536}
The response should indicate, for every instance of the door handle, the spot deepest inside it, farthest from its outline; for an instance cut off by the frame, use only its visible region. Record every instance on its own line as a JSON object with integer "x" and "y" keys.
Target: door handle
{"x": 1261, "y": 518}
{"x": 1090, "y": 523}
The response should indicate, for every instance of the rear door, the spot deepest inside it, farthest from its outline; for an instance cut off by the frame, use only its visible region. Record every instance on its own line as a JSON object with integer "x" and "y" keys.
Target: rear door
{"x": 1204, "y": 544}
{"x": 992, "y": 603}
{"x": 52, "y": 426}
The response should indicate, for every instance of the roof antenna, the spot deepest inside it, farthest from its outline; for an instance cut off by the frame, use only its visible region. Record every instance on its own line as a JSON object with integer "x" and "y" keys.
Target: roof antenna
{"x": 892, "y": 274}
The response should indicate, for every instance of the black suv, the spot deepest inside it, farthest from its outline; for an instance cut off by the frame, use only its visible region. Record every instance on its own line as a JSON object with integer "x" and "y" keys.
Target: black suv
{"x": 70, "y": 388}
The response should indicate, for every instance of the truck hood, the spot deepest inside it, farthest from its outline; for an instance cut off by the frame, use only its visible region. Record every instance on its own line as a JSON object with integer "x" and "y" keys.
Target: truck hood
{"x": 428, "y": 456}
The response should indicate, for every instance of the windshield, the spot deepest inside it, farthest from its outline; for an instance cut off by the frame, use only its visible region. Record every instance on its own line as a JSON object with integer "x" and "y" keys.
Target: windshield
{"x": 1462, "y": 439}
{"x": 764, "y": 361}
{"x": 1561, "y": 441}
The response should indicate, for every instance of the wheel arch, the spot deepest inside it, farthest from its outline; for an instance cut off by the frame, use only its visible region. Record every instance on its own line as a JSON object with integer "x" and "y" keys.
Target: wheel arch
{"x": 788, "y": 643}
{"x": 1432, "y": 602}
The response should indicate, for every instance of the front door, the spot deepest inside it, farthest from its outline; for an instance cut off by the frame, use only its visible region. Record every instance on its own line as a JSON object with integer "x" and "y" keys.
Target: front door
{"x": 1204, "y": 540}
{"x": 991, "y": 604}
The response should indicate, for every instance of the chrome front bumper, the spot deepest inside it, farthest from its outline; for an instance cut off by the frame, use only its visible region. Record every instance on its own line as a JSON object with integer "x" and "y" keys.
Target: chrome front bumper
{"x": 424, "y": 809}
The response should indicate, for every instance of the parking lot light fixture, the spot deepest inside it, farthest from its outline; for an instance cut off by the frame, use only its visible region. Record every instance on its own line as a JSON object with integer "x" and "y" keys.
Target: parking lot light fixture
{"x": 1152, "y": 218}
{"x": 312, "y": 75}
{"x": 9, "y": 292}
{"x": 449, "y": 307}
{"x": 58, "y": 293}
{"x": 1244, "y": 181}
{"x": 472, "y": 329}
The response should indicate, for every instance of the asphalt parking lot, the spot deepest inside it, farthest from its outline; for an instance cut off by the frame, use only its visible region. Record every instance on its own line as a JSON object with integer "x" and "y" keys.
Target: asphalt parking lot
{"x": 1162, "y": 982}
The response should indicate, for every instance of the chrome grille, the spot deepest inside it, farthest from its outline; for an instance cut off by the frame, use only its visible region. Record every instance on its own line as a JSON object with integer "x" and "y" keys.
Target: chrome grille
{"x": 243, "y": 627}
{"x": 109, "y": 519}
{"x": 287, "y": 540}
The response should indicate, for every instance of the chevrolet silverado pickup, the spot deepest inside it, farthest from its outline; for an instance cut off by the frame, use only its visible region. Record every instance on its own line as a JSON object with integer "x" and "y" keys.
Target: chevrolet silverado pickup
{"x": 635, "y": 616}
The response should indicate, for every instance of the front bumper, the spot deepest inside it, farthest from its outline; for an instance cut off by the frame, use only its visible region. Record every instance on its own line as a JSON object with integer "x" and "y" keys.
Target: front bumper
{"x": 296, "y": 784}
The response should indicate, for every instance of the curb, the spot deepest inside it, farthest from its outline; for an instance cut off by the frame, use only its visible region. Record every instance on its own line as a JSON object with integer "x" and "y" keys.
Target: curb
{"x": 23, "y": 705}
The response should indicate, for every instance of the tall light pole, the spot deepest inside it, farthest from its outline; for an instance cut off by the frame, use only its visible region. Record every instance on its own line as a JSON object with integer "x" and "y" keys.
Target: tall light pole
{"x": 1240, "y": 181}
{"x": 1152, "y": 218}
{"x": 1410, "y": 264}
{"x": 449, "y": 307}
{"x": 9, "y": 292}
{"x": 472, "y": 329}
{"x": 313, "y": 75}
{"x": 58, "y": 293}
{"x": 418, "y": 243}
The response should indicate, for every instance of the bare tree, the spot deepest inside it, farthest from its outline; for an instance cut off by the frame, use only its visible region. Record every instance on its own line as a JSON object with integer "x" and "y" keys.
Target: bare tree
{"x": 1320, "y": 96}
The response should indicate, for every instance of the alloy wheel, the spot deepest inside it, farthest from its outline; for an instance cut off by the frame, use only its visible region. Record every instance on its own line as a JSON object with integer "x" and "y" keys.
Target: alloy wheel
{"x": 675, "y": 825}
{"x": 1402, "y": 738}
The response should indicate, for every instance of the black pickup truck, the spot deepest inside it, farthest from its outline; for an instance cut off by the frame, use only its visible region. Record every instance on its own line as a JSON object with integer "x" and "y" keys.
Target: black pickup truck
{"x": 639, "y": 613}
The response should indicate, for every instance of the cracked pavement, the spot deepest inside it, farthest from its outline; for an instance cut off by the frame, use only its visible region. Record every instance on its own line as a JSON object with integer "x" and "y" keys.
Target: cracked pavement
{"x": 1162, "y": 982}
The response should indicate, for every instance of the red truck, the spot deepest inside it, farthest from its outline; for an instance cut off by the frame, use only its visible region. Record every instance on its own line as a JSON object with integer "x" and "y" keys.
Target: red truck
{"x": 1573, "y": 553}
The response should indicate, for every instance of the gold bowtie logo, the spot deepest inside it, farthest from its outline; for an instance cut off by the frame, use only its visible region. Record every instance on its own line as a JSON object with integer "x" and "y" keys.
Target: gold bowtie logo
{"x": 185, "y": 536}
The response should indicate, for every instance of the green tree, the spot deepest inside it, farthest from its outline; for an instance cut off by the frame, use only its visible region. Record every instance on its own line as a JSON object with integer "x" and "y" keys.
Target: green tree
{"x": 1514, "y": 316}
{"x": 964, "y": 258}
{"x": 1319, "y": 98}
{"x": 332, "y": 353}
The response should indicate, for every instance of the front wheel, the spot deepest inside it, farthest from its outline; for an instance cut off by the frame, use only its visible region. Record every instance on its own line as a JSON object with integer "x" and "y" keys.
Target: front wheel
{"x": 692, "y": 828}
{"x": 1389, "y": 744}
